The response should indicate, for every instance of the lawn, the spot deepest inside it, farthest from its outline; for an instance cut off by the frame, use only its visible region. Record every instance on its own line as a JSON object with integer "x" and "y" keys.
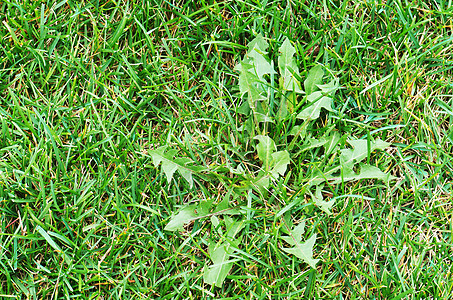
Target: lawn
{"x": 226, "y": 149}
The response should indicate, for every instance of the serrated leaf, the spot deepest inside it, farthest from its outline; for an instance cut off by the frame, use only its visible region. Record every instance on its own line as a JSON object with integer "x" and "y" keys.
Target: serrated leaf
{"x": 251, "y": 80}
{"x": 304, "y": 251}
{"x": 185, "y": 215}
{"x": 225, "y": 203}
{"x": 349, "y": 157}
{"x": 251, "y": 85}
{"x": 332, "y": 143}
{"x": 310, "y": 143}
{"x": 314, "y": 78}
{"x": 216, "y": 273}
{"x": 258, "y": 42}
{"x": 274, "y": 164}
{"x": 299, "y": 131}
{"x": 331, "y": 87}
{"x": 260, "y": 63}
{"x": 288, "y": 67}
{"x": 170, "y": 165}
{"x": 192, "y": 212}
{"x": 224, "y": 206}
{"x": 295, "y": 235}
{"x": 204, "y": 208}
{"x": 180, "y": 162}
{"x": 280, "y": 161}
{"x": 247, "y": 125}
{"x": 261, "y": 183}
{"x": 287, "y": 223}
{"x": 366, "y": 172}
{"x": 318, "y": 177}
{"x": 315, "y": 96}
{"x": 248, "y": 85}
{"x": 312, "y": 112}
{"x": 265, "y": 148}
{"x": 295, "y": 130}
{"x": 287, "y": 104}
{"x": 318, "y": 199}
{"x": 282, "y": 109}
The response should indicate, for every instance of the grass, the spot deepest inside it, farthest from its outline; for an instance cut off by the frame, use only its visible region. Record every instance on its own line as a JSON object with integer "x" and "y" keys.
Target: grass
{"x": 89, "y": 87}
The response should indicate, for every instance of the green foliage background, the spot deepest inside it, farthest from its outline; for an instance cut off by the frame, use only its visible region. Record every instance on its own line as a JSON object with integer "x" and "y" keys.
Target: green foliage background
{"x": 89, "y": 88}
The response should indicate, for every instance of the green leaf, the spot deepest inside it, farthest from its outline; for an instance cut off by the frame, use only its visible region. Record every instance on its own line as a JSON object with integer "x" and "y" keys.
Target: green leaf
{"x": 315, "y": 96}
{"x": 331, "y": 87}
{"x": 52, "y": 243}
{"x": 288, "y": 67}
{"x": 218, "y": 271}
{"x": 312, "y": 112}
{"x": 274, "y": 164}
{"x": 251, "y": 85}
{"x": 287, "y": 104}
{"x": 258, "y": 43}
{"x": 349, "y": 157}
{"x": 261, "y": 183}
{"x": 318, "y": 100}
{"x": 244, "y": 108}
{"x": 170, "y": 165}
{"x": 224, "y": 206}
{"x": 247, "y": 125}
{"x": 295, "y": 235}
{"x": 185, "y": 215}
{"x": 204, "y": 209}
{"x": 265, "y": 148}
{"x": 260, "y": 63}
{"x": 299, "y": 130}
{"x": 310, "y": 143}
{"x": 263, "y": 118}
{"x": 332, "y": 143}
{"x": 318, "y": 199}
{"x": 366, "y": 172}
{"x": 251, "y": 80}
{"x": 282, "y": 109}
{"x": 314, "y": 78}
{"x": 248, "y": 85}
{"x": 233, "y": 227}
{"x": 120, "y": 29}
{"x": 280, "y": 162}
{"x": 304, "y": 251}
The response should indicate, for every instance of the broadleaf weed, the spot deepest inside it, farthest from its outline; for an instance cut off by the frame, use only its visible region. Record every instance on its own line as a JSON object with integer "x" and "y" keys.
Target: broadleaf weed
{"x": 334, "y": 164}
